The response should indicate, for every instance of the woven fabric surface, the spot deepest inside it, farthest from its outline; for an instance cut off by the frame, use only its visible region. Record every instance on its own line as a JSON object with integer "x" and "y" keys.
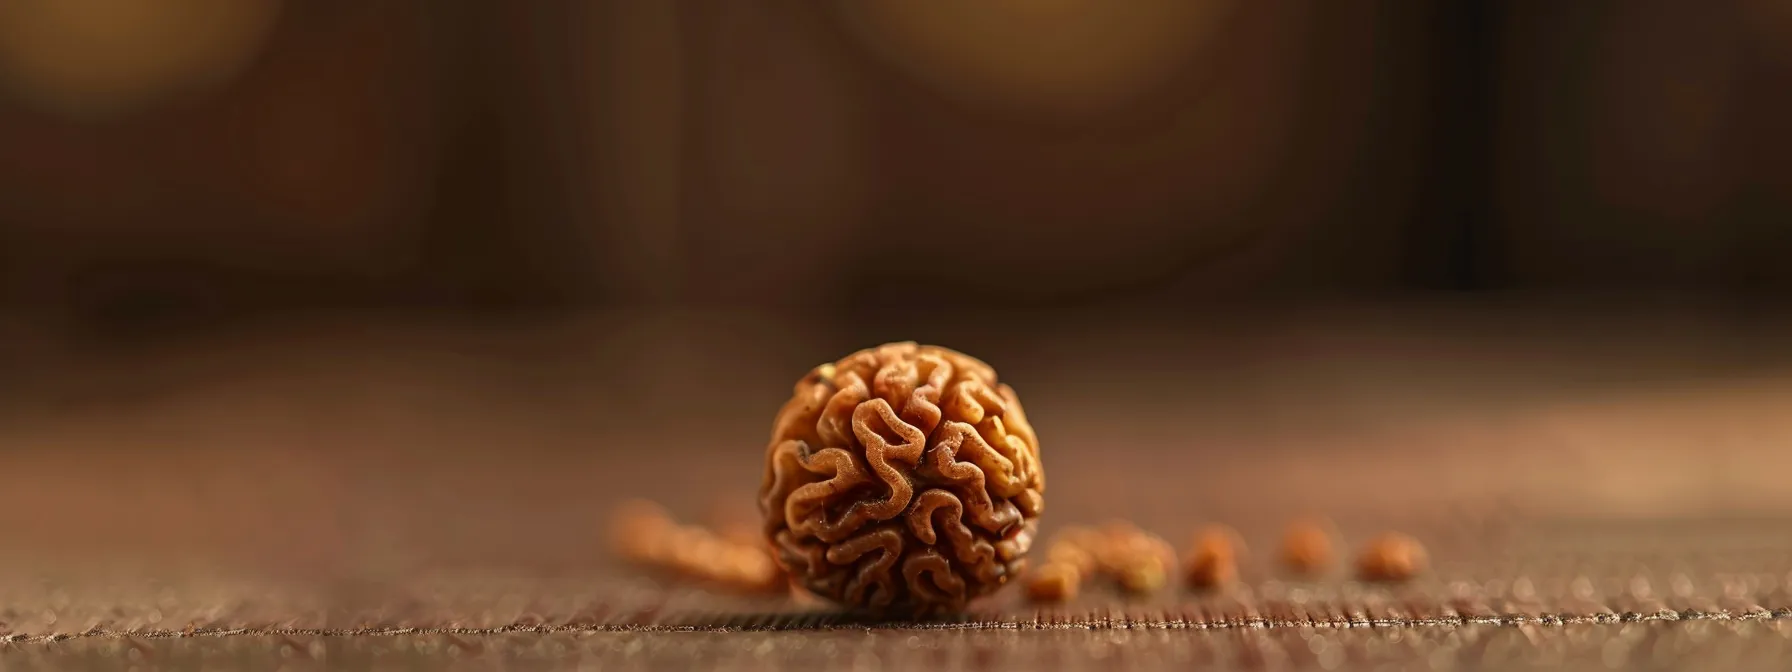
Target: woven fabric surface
{"x": 1643, "y": 597}
{"x": 360, "y": 508}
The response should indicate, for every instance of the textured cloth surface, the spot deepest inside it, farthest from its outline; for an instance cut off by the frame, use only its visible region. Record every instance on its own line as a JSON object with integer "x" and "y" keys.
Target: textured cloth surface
{"x": 402, "y": 501}
{"x": 1583, "y": 595}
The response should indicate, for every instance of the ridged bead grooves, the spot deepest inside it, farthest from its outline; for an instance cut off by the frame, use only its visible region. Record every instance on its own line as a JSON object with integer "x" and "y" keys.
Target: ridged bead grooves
{"x": 902, "y": 478}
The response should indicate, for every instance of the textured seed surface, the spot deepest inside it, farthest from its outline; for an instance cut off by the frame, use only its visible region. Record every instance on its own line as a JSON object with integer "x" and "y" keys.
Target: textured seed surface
{"x": 903, "y": 479}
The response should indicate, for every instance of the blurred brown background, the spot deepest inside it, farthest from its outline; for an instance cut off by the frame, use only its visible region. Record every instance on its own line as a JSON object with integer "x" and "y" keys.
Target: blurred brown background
{"x": 349, "y": 274}
{"x": 188, "y": 161}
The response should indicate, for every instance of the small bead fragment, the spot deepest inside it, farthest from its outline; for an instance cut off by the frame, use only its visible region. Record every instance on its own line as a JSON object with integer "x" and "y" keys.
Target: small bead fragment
{"x": 644, "y": 533}
{"x": 1122, "y": 545}
{"x": 1213, "y": 559}
{"x": 1085, "y": 538}
{"x": 1066, "y": 553}
{"x": 1307, "y": 546}
{"x": 1221, "y": 539}
{"x": 1208, "y": 571}
{"x": 1054, "y": 582}
{"x": 637, "y": 529}
{"x": 1143, "y": 574}
{"x": 1391, "y": 557}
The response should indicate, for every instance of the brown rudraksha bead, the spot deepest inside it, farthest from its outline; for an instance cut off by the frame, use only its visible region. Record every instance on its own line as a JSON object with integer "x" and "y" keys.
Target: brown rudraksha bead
{"x": 902, "y": 479}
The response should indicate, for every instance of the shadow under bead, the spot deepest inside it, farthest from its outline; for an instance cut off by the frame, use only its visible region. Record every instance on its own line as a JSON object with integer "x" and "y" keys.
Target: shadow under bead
{"x": 902, "y": 479}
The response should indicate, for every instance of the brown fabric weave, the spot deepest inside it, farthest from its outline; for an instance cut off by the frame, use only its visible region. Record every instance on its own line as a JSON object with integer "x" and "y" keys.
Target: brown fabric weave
{"x": 399, "y": 503}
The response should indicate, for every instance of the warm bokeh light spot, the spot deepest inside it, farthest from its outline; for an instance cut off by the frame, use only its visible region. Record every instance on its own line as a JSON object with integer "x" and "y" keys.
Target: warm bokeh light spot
{"x": 101, "y": 57}
{"x": 1040, "y": 56}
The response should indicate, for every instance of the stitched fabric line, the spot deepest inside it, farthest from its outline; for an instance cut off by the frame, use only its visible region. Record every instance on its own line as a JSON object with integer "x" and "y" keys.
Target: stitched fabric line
{"x": 823, "y": 623}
